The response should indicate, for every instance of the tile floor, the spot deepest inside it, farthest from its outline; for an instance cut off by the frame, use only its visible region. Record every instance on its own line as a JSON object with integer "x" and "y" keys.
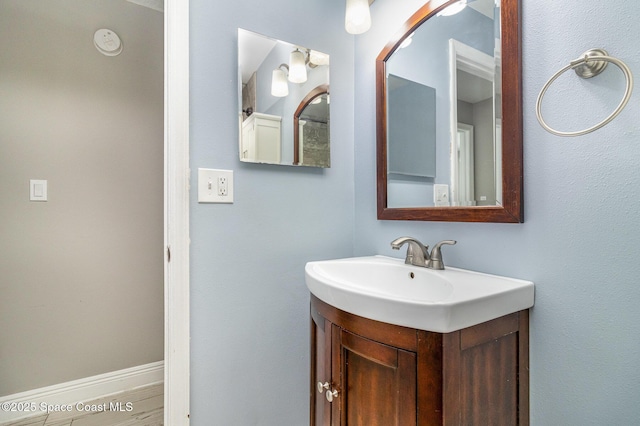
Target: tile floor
{"x": 138, "y": 407}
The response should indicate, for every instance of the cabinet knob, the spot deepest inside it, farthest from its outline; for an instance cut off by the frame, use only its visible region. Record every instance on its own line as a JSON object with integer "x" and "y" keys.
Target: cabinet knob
{"x": 331, "y": 394}
{"x": 323, "y": 386}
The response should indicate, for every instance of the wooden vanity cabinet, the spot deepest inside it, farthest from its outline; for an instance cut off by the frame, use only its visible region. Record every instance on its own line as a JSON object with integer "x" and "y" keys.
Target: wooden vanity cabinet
{"x": 380, "y": 374}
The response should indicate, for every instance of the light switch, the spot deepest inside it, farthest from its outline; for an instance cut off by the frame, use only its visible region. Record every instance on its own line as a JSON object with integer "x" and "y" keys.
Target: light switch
{"x": 37, "y": 190}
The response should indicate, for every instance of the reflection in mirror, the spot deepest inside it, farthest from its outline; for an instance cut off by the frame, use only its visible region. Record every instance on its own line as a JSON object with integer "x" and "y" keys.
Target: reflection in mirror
{"x": 311, "y": 129}
{"x": 474, "y": 116}
{"x": 459, "y": 68}
{"x": 411, "y": 108}
{"x": 441, "y": 153}
{"x": 275, "y": 79}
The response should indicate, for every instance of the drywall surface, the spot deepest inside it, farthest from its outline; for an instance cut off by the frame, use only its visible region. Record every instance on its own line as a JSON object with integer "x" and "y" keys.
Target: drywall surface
{"x": 249, "y": 302}
{"x": 81, "y": 275}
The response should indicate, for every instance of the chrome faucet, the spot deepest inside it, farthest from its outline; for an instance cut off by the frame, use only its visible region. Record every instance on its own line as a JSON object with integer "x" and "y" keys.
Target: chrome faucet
{"x": 418, "y": 253}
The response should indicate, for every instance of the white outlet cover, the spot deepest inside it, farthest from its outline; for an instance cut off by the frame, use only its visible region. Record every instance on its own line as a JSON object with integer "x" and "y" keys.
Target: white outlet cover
{"x": 208, "y": 186}
{"x": 441, "y": 195}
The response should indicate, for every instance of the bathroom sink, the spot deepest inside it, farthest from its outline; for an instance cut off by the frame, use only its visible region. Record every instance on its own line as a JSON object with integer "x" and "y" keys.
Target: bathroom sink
{"x": 388, "y": 290}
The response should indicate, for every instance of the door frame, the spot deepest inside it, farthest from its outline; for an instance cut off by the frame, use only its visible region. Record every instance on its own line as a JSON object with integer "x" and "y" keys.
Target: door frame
{"x": 462, "y": 178}
{"x": 176, "y": 208}
{"x": 465, "y": 58}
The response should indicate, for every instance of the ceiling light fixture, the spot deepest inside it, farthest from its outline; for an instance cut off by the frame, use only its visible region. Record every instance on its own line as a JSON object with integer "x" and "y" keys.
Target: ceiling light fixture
{"x": 357, "y": 17}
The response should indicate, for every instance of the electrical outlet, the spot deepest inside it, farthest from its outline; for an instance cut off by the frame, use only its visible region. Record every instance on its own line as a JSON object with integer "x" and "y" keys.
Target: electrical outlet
{"x": 223, "y": 188}
{"x": 215, "y": 186}
{"x": 441, "y": 195}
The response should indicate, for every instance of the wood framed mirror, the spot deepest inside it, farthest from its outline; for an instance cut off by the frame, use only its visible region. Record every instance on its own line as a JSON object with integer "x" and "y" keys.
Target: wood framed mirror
{"x": 455, "y": 49}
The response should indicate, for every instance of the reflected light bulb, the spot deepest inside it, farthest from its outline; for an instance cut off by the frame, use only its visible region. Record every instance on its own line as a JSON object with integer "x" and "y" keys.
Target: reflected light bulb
{"x": 297, "y": 67}
{"x": 453, "y": 9}
{"x": 407, "y": 41}
{"x": 279, "y": 85}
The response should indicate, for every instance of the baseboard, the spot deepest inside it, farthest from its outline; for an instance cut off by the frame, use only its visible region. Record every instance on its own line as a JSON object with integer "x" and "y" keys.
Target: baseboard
{"x": 81, "y": 390}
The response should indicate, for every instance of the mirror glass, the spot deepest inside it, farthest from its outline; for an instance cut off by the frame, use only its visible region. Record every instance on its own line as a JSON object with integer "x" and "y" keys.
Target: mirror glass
{"x": 311, "y": 129}
{"x": 440, "y": 114}
{"x": 277, "y": 78}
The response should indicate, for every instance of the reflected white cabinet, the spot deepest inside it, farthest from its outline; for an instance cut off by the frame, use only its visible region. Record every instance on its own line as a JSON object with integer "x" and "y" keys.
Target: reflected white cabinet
{"x": 261, "y": 138}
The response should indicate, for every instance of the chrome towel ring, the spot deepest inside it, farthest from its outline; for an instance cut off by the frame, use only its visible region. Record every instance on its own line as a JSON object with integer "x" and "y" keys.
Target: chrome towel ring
{"x": 592, "y": 63}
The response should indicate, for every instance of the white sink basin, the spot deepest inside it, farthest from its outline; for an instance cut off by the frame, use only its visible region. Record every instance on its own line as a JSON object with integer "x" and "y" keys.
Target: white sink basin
{"x": 386, "y": 289}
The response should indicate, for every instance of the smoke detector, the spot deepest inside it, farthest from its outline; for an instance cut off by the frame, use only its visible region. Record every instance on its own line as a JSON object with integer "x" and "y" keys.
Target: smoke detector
{"x": 107, "y": 42}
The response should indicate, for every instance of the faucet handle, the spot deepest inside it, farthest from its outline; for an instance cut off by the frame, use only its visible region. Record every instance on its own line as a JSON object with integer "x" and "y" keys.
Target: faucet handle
{"x": 436, "y": 254}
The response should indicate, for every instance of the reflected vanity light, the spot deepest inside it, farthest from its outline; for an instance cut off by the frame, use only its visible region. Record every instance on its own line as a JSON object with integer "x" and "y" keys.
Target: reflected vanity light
{"x": 357, "y": 17}
{"x": 318, "y": 58}
{"x": 279, "y": 85}
{"x": 407, "y": 41}
{"x": 296, "y": 71}
{"x": 297, "y": 67}
{"x": 453, "y": 9}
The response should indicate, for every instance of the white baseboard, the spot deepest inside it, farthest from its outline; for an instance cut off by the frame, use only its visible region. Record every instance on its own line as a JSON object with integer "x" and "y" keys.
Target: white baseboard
{"x": 81, "y": 390}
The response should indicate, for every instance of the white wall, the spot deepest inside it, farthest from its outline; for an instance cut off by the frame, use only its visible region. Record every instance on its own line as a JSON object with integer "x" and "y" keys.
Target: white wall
{"x": 81, "y": 276}
{"x": 249, "y": 302}
{"x": 581, "y": 237}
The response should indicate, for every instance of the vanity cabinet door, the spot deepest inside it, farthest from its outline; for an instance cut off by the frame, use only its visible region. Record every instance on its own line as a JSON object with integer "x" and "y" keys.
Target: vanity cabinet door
{"x": 320, "y": 370}
{"x": 372, "y": 384}
{"x": 377, "y": 382}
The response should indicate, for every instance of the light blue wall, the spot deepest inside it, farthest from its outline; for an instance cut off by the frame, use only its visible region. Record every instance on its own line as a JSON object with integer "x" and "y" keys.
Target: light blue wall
{"x": 581, "y": 237}
{"x": 249, "y": 302}
{"x": 579, "y": 243}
